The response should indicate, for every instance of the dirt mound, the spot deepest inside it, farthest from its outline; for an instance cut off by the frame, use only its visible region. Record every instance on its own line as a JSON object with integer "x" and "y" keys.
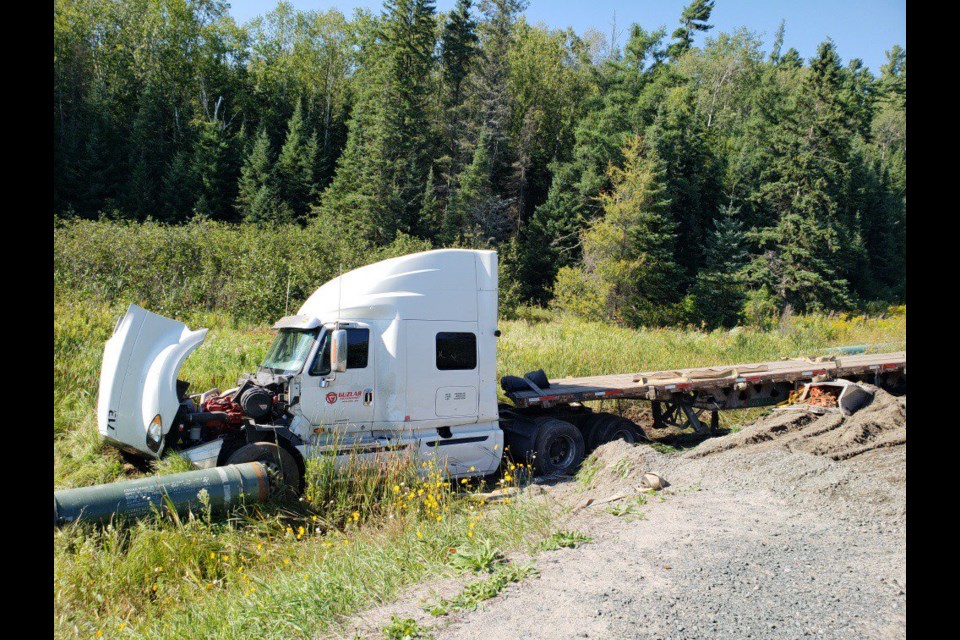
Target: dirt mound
{"x": 851, "y": 466}
{"x": 882, "y": 423}
{"x": 618, "y": 466}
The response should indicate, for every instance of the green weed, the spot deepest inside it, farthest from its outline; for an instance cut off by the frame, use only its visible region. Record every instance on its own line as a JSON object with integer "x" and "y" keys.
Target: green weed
{"x": 476, "y": 592}
{"x": 404, "y": 629}
{"x": 564, "y": 539}
{"x": 477, "y": 557}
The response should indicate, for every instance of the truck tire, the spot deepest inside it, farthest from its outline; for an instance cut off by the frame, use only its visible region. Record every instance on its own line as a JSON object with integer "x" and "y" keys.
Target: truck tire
{"x": 602, "y": 428}
{"x": 558, "y": 447}
{"x": 281, "y": 466}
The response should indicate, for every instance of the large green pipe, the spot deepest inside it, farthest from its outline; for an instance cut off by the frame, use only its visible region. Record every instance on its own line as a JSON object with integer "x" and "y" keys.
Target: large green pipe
{"x": 226, "y": 486}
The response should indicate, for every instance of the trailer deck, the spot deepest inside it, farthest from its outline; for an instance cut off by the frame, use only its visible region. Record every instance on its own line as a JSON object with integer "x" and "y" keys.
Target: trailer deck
{"x": 686, "y": 393}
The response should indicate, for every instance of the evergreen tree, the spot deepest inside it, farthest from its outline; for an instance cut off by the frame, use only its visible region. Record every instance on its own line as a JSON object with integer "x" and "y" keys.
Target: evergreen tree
{"x": 493, "y": 108}
{"x": 777, "y": 49}
{"x": 718, "y": 292}
{"x": 791, "y": 59}
{"x": 297, "y": 164}
{"x": 477, "y": 213}
{"x": 799, "y": 260}
{"x": 178, "y": 190}
{"x": 431, "y": 216}
{"x": 458, "y": 46}
{"x": 257, "y": 199}
{"x": 553, "y": 235}
{"x": 213, "y": 170}
{"x": 147, "y": 152}
{"x": 628, "y": 273}
{"x": 382, "y": 173}
{"x": 691, "y": 175}
{"x": 694, "y": 18}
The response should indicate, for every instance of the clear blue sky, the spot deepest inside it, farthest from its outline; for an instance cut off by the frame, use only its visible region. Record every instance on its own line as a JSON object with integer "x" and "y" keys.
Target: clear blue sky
{"x": 861, "y": 28}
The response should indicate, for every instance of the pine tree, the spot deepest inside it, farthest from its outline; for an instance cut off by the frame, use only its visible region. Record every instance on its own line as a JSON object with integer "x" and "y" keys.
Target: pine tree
{"x": 431, "y": 216}
{"x": 477, "y": 212}
{"x": 694, "y": 18}
{"x": 493, "y": 108}
{"x": 791, "y": 59}
{"x": 147, "y": 150}
{"x": 213, "y": 167}
{"x": 458, "y": 46}
{"x": 718, "y": 291}
{"x": 383, "y": 171}
{"x": 98, "y": 171}
{"x": 296, "y": 165}
{"x": 552, "y": 238}
{"x": 177, "y": 193}
{"x": 777, "y": 50}
{"x": 257, "y": 199}
{"x": 799, "y": 258}
{"x": 691, "y": 176}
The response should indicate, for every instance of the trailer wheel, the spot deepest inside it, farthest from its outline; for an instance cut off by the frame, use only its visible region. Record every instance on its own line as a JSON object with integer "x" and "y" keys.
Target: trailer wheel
{"x": 618, "y": 429}
{"x": 602, "y": 428}
{"x": 558, "y": 448}
{"x": 282, "y": 468}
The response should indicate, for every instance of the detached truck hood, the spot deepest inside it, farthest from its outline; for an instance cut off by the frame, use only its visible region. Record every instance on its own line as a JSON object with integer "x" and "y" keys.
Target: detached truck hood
{"x": 138, "y": 379}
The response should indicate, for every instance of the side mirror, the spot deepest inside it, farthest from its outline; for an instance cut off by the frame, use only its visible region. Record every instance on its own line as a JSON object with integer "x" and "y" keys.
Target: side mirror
{"x": 338, "y": 350}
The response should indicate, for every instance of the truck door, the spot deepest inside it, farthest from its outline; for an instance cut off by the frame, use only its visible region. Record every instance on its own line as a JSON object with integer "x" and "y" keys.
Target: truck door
{"x": 340, "y": 405}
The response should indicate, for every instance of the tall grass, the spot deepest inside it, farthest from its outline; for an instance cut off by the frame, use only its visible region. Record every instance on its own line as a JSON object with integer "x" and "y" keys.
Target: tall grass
{"x": 354, "y": 540}
{"x": 568, "y": 347}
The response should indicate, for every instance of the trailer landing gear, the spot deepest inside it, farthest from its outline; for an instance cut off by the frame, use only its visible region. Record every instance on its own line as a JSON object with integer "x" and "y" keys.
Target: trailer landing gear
{"x": 682, "y": 416}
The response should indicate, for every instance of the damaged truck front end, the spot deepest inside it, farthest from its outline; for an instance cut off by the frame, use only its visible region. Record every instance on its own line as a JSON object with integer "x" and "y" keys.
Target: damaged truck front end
{"x": 144, "y": 409}
{"x": 139, "y": 395}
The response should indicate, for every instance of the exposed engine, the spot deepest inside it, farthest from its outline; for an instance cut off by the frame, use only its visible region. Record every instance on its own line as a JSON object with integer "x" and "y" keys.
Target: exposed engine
{"x": 213, "y": 414}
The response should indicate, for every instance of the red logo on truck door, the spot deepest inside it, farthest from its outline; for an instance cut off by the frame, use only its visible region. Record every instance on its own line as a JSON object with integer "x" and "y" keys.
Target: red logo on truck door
{"x": 343, "y": 396}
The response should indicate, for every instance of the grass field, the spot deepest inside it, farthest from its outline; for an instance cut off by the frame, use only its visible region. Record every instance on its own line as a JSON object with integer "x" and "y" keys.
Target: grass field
{"x": 355, "y": 540}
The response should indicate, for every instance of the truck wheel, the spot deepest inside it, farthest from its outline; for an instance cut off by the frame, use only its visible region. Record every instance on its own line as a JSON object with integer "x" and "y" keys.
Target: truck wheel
{"x": 558, "y": 448}
{"x": 281, "y": 466}
{"x": 606, "y": 427}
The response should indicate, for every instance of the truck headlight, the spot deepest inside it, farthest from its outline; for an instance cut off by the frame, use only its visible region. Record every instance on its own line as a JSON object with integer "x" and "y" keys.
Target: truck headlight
{"x": 155, "y": 433}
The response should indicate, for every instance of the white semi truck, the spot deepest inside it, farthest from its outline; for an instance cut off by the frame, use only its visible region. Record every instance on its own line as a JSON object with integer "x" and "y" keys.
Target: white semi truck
{"x": 399, "y": 357}
{"x": 393, "y": 356}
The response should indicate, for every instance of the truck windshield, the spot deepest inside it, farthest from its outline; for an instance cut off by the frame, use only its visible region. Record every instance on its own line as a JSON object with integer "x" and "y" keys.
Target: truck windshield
{"x": 289, "y": 350}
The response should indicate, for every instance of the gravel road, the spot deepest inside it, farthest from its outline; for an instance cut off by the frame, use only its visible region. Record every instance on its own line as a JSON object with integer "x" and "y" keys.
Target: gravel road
{"x": 794, "y": 527}
{"x": 710, "y": 563}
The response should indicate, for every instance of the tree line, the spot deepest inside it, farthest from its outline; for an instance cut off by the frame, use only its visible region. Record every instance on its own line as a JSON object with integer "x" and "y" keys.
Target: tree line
{"x": 633, "y": 177}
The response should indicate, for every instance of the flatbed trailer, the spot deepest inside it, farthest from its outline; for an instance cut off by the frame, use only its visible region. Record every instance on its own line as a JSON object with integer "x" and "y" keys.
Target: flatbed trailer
{"x": 680, "y": 397}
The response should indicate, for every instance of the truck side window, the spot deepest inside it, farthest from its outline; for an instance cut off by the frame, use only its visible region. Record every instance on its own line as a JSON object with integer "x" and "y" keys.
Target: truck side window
{"x": 321, "y": 363}
{"x": 456, "y": 351}
{"x": 358, "y": 346}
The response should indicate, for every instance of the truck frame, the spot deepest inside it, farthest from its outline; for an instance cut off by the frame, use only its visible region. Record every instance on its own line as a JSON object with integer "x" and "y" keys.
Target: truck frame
{"x": 399, "y": 357}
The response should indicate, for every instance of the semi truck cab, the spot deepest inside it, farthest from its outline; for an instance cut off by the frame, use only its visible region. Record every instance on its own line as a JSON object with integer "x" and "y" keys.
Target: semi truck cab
{"x": 396, "y": 356}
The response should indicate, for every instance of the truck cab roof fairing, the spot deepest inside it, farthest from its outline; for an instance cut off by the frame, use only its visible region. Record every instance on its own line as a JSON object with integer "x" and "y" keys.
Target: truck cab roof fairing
{"x": 431, "y": 285}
